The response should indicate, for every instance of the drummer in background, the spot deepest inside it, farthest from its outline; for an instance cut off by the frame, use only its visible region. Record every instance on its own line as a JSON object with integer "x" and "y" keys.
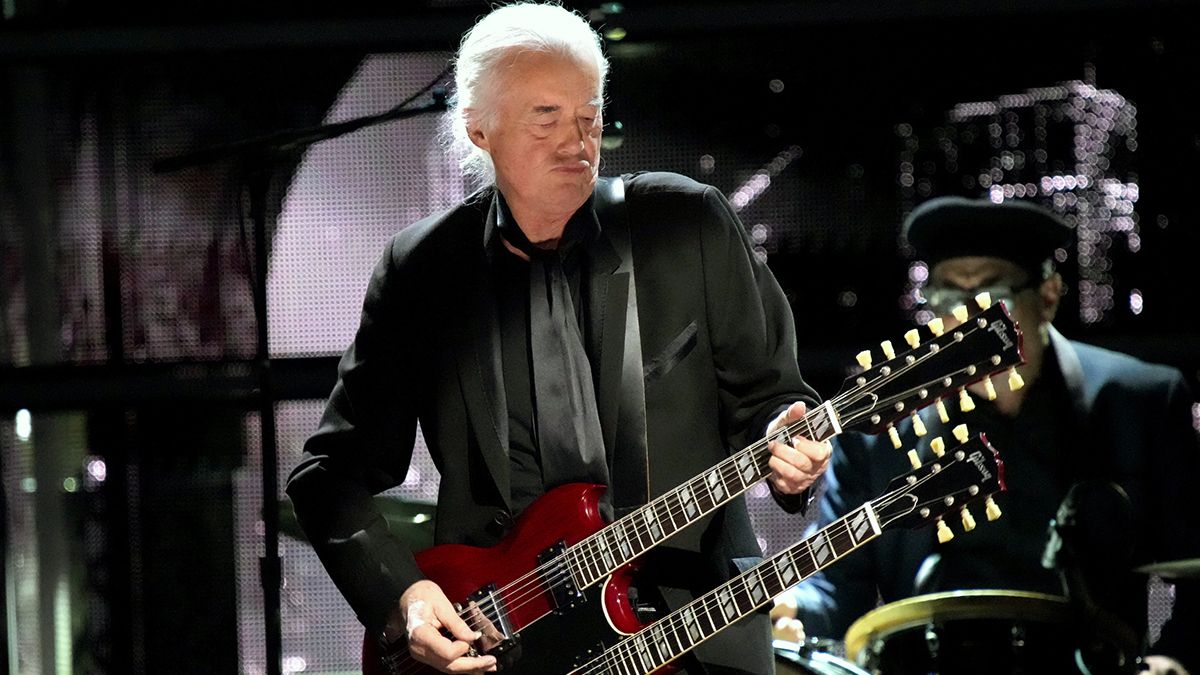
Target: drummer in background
{"x": 1085, "y": 414}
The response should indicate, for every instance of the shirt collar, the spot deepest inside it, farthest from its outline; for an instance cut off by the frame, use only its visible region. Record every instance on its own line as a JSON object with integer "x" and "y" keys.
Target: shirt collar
{"x": 581, "y": 229}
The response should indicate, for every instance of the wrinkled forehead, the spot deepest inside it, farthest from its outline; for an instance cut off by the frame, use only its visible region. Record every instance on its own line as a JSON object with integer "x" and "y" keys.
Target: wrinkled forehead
{"x": 973, "y": 271}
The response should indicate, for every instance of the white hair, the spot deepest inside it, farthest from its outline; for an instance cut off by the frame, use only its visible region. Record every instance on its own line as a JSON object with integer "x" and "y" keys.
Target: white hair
{"x": 523, "y": 27}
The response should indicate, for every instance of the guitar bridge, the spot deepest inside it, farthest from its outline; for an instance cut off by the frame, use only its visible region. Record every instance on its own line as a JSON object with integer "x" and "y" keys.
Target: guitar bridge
{"x": 486, "y": 612}
{"x": 564, "y": 591}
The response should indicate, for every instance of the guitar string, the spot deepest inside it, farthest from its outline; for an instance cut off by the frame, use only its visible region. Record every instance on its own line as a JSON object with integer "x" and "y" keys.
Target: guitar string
{"x": 540, "y": 585}
{"x": 712, "y": 600}
{"x": 533, "y": 592}
{"x": 551, "y": 582}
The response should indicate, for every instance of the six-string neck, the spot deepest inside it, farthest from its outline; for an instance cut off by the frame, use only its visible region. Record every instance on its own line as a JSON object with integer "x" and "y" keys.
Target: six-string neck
{"x": 599, "y": 555}
{"x": 690, "y": 625}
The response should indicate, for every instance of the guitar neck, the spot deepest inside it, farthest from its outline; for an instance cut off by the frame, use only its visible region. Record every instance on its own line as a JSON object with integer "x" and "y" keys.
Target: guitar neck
{"x": 594, "y": 558}
{"x": 684, "y": 629}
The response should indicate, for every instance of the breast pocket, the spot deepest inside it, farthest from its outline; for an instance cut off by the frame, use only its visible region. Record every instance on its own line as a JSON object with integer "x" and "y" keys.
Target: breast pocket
{"x": 676, "y": 351}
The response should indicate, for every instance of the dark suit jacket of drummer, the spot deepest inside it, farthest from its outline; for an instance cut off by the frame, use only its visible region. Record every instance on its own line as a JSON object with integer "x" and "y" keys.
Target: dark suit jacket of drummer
{"x": 718, "y": 344}
{"x": 1133, "y": 425}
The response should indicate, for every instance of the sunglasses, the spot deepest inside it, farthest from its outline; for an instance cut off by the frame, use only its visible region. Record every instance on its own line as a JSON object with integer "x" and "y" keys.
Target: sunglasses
{"x": 942, "y": 300}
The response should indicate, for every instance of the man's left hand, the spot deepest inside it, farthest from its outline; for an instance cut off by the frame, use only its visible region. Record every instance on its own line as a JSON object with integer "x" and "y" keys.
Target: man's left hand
{"x": 795, "y": 467}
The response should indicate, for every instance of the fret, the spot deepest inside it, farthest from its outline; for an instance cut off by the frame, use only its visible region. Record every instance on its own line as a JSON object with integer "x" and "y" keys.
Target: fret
{"x": 692, "y": 624}
{"x": 786, "y": 569}
{"x": 741, "y": 595}
{"x": 623, "y": 544}
{"x": 653, "y": 527}
{"x": 821, "y": 550}
{"x": 726, "y": 605}
{"x": 653, "y": 655}
{"x": 746, "y": 470}
{"x": 606, "y": 548}
{"x": 716, "y": 484}
{"x": 625, "y": 664}
{"x": 768, "y": 576}
{"x": 642, "y": 537}
{"x": 666, "y": 514}
{"x": 817, "y": 425}
{"x": 679, "y": 632}
{"x": 859, "y": 525}
{"x": 835, "y": 538}
{"x": 704, "y": 498}
{"x": 583, "y": 563}
{"x": 690, "y": 510}
{"x": 642, "y": 652}
{"x": 755, "y": 588}
{"x": 662, "y": 643}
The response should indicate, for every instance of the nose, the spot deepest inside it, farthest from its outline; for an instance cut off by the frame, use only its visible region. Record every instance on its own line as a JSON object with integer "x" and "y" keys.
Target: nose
{"x": 574, "y": 140}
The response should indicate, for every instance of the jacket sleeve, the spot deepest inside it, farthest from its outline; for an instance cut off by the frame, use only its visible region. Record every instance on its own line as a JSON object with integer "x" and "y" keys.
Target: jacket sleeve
{"x": 752, "y": 332}
{"x": 362, "y": 446}
{"x": 1175, "y": 464}
{"x": 829, "y": 601}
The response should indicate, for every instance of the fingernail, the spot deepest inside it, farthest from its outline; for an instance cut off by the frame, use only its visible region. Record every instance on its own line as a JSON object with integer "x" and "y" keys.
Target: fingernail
{"x": 478, "y": 634}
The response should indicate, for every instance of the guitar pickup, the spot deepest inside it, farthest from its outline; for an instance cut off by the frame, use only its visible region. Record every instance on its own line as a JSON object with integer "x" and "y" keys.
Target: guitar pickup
{"x": 486, "y": 612}
{"x": 563, "y": 590}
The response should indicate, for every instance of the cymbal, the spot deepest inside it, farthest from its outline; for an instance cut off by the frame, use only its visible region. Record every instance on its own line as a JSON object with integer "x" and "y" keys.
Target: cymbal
{"x": 411, "y": 521}
{"x": 950, "y": 606}
{"x": 1175, "y": 569}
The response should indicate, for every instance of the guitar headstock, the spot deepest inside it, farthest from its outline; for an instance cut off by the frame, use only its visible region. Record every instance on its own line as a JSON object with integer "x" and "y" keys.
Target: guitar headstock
{"x": 938, "y": 364}
{"x": 966, "y": 473}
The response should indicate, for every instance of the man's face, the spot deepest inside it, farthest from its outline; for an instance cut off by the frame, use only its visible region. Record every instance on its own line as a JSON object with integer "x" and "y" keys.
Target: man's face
{"x": 956, "y": 281}
{"x": 1032, "y": 303}
{"x": 545, "y": 137}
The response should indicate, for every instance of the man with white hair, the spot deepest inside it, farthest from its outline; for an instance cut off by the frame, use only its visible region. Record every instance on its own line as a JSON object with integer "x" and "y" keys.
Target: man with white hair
{"x": 507, "y": 326}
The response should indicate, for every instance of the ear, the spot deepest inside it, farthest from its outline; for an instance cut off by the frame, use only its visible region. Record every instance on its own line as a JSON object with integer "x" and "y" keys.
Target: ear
{"x": 1049, "y": 293}
{"x": 476, "y": 133}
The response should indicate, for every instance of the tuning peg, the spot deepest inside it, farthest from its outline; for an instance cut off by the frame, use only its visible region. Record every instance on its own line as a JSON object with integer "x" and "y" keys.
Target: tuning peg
{"x": 968, "y": 521}
{"x": 1015, "y": 381}
{"x": 960, "y": 313}
{"x": 965, "y": 403}
{"x": 914, "y": 459}
{"x": 984, "y": 300}
{"x": 913, "y": 338}
{"x": 993, "y": 511}
{"x": 938, "y": 446}
{"x": 936, "y": 326}
{"x": 895, "y": 436}
{"x": 864, "y": 359}
{"x": 942, "y": 414}
{"x": 918, "y": 425}
{"x": 989, "y": 388}
{"x": 888, "y": 352}
{"x": 960, "y": 432}
{"x": 945, "y": 534}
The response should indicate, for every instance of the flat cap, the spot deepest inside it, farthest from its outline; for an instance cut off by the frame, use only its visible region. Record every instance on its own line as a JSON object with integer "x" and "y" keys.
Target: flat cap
{"x": 1018, "y": 231}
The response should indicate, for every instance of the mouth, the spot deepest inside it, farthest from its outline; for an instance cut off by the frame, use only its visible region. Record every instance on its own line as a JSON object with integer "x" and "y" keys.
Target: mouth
{"x": 581, "y": 166}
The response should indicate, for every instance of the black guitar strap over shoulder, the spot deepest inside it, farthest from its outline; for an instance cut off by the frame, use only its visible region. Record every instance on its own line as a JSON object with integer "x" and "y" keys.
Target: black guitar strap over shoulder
{"x": 629, "y": 468}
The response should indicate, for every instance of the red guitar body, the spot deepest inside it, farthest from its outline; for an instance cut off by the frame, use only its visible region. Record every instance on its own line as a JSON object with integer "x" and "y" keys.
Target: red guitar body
{"x": 565, "y": 515}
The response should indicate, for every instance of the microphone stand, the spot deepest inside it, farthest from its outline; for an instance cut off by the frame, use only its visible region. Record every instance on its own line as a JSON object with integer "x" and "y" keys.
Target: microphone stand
{"x": 1108, "y": 643}
{"x": 256, "y": 156}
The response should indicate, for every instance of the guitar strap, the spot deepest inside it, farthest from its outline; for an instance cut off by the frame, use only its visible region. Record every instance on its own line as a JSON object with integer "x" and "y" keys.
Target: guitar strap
{"x": 629, "y": 463}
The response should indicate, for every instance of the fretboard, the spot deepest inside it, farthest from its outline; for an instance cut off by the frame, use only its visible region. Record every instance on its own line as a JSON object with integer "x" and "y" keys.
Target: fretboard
{"x": 684, "y": 629}
{"x": 599, "y": 555}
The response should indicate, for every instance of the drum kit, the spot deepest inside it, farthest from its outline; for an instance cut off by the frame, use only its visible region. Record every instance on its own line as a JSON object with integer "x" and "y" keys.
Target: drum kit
{"x": 965, "y": 632}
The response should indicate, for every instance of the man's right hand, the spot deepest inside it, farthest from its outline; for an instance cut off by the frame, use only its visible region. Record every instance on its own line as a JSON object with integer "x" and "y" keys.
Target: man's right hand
{"x": 426, "y": 611}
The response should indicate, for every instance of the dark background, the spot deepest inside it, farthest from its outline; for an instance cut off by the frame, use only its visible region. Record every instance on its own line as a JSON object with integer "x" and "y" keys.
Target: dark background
{"x": 127, "y": 322}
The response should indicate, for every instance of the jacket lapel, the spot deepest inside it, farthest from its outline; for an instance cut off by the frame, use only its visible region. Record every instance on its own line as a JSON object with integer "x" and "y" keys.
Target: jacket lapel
{"x": 480, "y": 371}
{"x": 608, "y": 293}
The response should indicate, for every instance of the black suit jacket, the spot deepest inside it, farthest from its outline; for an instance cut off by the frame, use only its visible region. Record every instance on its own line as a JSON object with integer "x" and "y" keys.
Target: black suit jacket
{"x": 1131, "y": 424}
{"x": 718, "y": 344}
